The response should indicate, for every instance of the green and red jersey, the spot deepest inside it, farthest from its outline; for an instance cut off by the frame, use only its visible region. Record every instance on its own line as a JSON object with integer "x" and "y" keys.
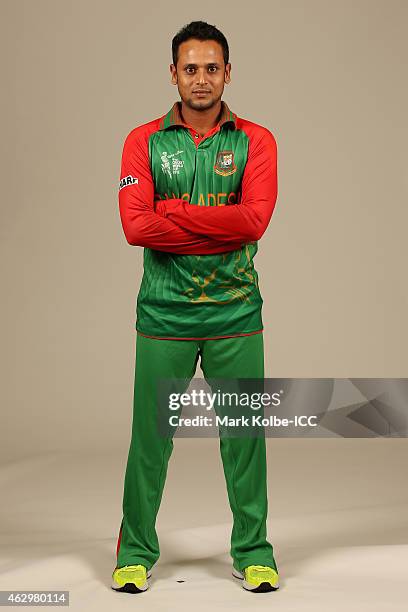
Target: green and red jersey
{"x": 198, "y": 205}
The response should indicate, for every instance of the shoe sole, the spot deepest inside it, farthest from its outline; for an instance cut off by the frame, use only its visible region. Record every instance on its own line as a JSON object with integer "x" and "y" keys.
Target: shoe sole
{"x": 264, "y": 587}
{"x": 130, "y": 587}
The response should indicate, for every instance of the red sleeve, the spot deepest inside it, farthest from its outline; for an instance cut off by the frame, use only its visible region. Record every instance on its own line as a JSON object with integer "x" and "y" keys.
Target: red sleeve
{"x": 247, "y": 220}
{"x": 141, "y": 224}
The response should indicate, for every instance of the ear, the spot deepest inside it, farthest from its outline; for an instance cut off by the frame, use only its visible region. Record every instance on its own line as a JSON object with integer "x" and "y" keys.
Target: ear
{"x": 173, "y": 71}
{"x": 227, "y": 76}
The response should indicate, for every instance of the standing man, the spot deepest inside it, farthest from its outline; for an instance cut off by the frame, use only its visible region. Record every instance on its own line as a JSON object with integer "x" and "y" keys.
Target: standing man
{"x": 197, "y": 190}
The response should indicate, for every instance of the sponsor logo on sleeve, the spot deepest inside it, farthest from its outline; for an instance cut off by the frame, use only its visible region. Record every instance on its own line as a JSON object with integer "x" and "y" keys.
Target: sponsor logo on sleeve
{"x": 128, "y": 180}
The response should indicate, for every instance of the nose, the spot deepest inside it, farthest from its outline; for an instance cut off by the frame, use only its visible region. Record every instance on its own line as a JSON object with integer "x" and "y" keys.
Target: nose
{"x": 201, "y": 76}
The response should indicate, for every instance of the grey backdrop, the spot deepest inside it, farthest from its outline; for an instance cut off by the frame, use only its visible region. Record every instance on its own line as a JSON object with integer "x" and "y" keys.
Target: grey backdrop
{"x": 327, "y": 78}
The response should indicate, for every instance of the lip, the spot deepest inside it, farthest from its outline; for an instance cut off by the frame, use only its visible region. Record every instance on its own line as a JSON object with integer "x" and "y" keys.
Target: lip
{"x": 201, "y": 92}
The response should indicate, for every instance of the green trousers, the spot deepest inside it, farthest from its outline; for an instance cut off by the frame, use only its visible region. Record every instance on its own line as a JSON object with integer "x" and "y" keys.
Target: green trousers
{"x": 244, "y": 458}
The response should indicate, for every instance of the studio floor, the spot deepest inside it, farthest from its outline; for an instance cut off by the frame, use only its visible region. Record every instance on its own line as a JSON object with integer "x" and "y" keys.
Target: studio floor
{"x": 337, "y": 520}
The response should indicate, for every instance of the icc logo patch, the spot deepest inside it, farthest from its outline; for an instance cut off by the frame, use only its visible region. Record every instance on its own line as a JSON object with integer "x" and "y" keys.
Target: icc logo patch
{"x": 224, "y": 164}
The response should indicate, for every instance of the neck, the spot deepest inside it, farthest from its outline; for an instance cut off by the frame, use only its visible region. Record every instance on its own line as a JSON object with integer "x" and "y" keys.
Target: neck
{"x": 202, "y": 121}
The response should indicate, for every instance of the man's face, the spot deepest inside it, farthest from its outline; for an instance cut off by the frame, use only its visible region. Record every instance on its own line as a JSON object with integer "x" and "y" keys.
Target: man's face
{"x": 200, "y": 74}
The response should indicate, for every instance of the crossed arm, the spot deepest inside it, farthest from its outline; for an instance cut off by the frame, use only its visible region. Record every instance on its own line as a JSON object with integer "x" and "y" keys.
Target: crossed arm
{"x": 143, "y": 226}
{"x": 176, "y": 226}
{"x": 245, "y": 221}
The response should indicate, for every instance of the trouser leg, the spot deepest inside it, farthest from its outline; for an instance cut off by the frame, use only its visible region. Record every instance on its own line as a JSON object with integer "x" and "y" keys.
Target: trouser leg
{"x": 244, "y": 458}
{"x": 149, "y": 451}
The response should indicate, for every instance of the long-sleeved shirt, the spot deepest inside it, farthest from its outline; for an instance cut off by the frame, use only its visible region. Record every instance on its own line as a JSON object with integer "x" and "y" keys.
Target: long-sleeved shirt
{"x": 198, "y": 205}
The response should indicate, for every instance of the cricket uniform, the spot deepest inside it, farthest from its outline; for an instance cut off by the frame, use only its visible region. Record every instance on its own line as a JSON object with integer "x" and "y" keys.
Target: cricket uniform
{"x": 198, "y": 205}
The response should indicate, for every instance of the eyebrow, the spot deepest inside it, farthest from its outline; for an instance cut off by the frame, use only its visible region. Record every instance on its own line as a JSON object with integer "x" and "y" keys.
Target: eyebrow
{"x": 196, "y": 65}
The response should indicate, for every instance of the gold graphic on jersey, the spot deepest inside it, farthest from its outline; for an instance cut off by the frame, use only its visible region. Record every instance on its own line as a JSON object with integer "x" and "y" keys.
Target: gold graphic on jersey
{"x": 239, "y": 286}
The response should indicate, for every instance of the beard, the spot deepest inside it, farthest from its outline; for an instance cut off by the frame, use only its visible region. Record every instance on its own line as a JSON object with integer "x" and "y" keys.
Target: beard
{"x": 200, "y": 104}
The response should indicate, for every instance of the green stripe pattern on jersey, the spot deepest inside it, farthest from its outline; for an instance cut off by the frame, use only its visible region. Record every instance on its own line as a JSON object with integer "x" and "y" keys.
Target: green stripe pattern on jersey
{"x": 217, "y": 294}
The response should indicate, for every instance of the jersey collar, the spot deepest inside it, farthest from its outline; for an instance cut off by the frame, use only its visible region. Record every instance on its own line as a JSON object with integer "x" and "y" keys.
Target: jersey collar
{"x": 173, "y": 117}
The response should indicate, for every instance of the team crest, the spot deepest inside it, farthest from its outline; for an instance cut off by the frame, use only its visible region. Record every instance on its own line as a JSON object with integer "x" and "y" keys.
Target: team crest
{"x": 225, "y": 163}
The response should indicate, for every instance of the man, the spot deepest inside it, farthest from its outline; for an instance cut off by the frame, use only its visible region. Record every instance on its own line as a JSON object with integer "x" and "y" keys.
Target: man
{"x": 197, "y": 190}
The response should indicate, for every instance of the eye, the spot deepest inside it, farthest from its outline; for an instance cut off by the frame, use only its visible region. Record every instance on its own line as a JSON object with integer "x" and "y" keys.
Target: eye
{"x": 189, "y": 68}
{"x": 213, "y": 68}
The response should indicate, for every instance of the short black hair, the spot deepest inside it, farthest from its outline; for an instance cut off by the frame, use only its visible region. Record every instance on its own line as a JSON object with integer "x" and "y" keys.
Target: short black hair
{"x": 202, "y": 31}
